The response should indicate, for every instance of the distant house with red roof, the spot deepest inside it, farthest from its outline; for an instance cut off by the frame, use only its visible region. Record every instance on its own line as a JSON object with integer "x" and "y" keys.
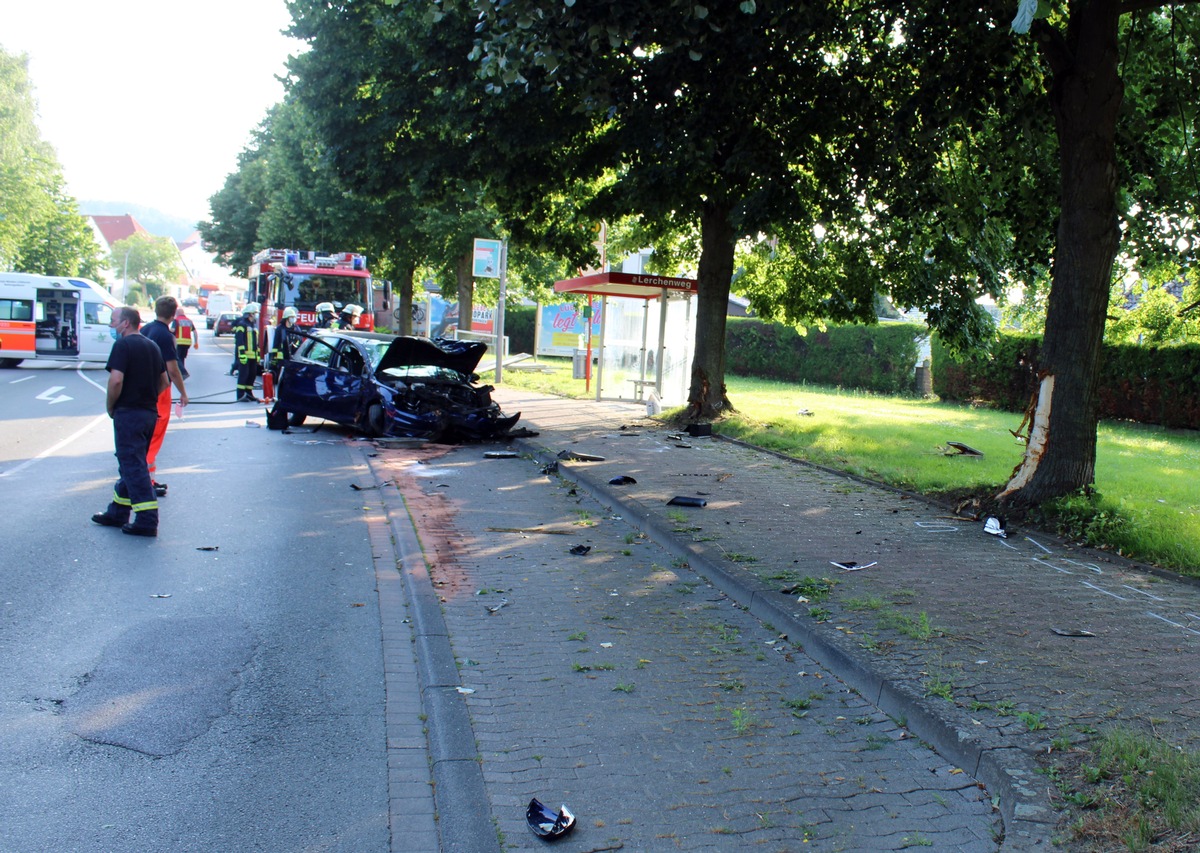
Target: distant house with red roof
{"x": 108, "y": 230}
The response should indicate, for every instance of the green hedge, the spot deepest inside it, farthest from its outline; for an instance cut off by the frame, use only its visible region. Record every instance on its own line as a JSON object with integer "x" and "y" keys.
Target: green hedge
{"x": 1152, "y": 385}
{"x": 518, "y": 327}
{"x": 879, "y": 358}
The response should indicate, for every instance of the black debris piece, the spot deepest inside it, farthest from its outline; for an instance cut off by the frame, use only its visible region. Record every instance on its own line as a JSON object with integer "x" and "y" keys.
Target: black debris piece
{"x": 623, "y": 480}
{"x": 695, "y": 430}
{"x": 575, "y": 456}
{"x": 550, "y": 468}
{"x": 963, "y": 450}
{"x": 547, "y": 824}
{"x": 684, "y": 500}
{"x": 580, "y": 550}
{"x": 501, "y": 454}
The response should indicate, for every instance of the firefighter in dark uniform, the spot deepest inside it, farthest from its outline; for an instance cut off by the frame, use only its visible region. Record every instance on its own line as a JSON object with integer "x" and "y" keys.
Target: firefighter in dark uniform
{"x": 326, "y": 316}
{"x": 245, "y": 353}
{"x": 284, "y": 342}
{"x": 137, "y": 375}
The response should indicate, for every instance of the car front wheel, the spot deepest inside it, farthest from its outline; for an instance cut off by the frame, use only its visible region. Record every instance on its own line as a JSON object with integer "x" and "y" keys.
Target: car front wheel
{"x": 374, "y": 422}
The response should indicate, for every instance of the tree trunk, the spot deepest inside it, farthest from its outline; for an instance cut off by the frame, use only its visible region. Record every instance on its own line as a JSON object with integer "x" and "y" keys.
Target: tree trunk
{"x": 466, "y": 290}
{"x": 707, "y": 394}
{"x": 402, "y": 298}
{"x": 1086, "y": 97}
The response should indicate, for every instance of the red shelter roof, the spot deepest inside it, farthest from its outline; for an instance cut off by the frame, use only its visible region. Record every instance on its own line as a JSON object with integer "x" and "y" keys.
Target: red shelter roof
{"x": 633, "y": 285}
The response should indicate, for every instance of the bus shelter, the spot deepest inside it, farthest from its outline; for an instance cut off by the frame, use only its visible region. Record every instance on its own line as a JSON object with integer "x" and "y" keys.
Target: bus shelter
{"x": 640, "y": 350}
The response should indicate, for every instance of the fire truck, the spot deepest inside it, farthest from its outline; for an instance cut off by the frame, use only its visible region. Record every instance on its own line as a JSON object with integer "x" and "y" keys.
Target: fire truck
{"x": 288, "y": 278}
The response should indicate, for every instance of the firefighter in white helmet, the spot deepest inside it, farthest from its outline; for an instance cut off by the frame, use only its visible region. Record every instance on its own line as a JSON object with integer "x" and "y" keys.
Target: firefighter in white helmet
{"x": 245, "y": 348}
{"x": 326, "y": 316}
{"x": 284, "y": 342}
{"x": 349, "y": 316}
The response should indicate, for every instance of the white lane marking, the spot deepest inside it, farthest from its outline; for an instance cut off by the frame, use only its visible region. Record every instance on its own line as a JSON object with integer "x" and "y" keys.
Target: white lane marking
{"x": 1142, "y": 592}
{"x": 50, "y": 392}
{"x": 1039, "y": 544}
{"x": 1169, "y": 622}
{"x": 51, "y": 450}
{"x": 1105, "y": 591}
{"x": 22, "y": 379}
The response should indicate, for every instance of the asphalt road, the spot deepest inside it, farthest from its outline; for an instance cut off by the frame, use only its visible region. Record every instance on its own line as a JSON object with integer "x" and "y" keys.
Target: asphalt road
{"x": 219, "y": 688}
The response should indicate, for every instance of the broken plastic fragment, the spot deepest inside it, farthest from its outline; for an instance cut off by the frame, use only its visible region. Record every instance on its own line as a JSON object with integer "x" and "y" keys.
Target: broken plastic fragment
{"x": 547, "y": 824}
{"x": 1072, "y": 632}
{"x": 466, "y": 690}
{"x": 209, "y": 548}
{"x": 684, "y": 500}
{"x": 996, "y": 527}
{"x": 623, "y": 480}
{"x": 963, "y": 449}
{"x": 160, "y": 595}
{"x": 851, "y": 566}
{"x": 492, "y": 608}
{"x": 575, "y": 456}
{"x": 580, "y": 550}
{"x": 501, "y": 454}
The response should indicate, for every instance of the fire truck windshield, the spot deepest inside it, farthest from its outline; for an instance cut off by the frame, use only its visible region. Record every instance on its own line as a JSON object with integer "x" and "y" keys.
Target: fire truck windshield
{"x": 305, "y": 290}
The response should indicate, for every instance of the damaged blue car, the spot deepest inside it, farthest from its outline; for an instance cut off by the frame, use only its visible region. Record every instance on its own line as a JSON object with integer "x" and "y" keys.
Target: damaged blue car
{"x": 388, "y": 385}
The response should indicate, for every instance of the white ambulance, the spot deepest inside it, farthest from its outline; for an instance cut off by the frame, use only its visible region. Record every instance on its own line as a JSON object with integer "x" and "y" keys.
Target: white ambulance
{"x": 56, "y": 318}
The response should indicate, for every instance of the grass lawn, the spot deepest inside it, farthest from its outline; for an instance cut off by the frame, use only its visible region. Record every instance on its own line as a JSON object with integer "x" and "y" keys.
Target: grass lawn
{"x": 1148, "y": 502}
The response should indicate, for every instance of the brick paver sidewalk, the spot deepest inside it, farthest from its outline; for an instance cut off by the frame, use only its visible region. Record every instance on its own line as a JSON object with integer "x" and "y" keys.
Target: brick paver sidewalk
{"x": 992, "y": 647}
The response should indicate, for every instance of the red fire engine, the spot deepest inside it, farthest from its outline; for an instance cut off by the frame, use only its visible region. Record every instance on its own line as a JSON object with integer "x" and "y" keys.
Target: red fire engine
{"x": 283, "y": 278}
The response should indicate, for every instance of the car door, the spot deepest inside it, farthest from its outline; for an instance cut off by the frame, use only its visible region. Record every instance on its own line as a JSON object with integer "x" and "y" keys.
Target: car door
{"x": 304, "y": 386}
{"x": 346, "y": 387}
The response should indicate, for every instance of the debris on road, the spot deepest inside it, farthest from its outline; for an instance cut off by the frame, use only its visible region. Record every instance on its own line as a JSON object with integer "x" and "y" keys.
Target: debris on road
{"x": 548, "y": 824}
{"x": 580, "y": 550}
{"x": 576, "y": 456}
{"x": 1072, "y": 632}
{"x": 622, "y": 480}
{"x": 684, "y": 500}
{"x": 851, "y": 566}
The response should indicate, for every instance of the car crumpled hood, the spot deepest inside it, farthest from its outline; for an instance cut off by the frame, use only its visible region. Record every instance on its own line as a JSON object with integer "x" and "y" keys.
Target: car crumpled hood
{"x": 462, "y": 356}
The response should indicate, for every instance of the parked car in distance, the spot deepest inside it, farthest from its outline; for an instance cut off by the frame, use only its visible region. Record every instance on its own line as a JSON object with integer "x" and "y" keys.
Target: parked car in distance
{"x": 390, "y": 385}
{"x": 224, "y": 324}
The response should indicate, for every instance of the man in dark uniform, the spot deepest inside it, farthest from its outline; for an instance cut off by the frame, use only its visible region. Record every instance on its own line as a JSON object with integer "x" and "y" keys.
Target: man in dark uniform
{"x": 245, "y": 345}
{"x": 159, "y": 331}
{"x": 137, "y": 375}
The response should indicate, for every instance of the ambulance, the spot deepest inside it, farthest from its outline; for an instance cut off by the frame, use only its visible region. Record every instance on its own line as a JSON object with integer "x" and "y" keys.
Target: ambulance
{"x": 53, "y": 318}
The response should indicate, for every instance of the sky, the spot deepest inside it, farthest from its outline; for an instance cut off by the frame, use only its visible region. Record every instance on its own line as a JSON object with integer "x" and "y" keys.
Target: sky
{"x": 150, "y": 101}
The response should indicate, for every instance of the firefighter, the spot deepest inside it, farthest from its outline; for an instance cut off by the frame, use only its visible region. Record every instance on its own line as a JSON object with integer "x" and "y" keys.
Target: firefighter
{"x": 284, "y": 342}
{"x": 185, "y": 338}
{"x": 245, "y": 345}
{"x": 349, "y": 316}
{"x": 326, "y": 316}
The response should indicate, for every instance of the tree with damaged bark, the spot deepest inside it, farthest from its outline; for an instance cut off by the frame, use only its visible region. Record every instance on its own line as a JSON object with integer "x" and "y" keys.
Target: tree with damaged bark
{"x": 1086, "y": 46}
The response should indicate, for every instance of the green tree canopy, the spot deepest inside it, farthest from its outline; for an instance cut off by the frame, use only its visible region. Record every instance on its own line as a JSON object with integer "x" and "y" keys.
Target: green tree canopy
{"x": 148, "y": 264}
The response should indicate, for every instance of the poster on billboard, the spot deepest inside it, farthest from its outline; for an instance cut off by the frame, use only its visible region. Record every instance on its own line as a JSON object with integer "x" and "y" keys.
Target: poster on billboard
{"x": 486, "y": 263}
{"x": 562, "y": 329}
{"x": 438, "y": 318}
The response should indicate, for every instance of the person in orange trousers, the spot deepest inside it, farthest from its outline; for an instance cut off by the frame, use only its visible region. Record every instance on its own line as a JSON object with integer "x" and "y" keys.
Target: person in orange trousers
{"x": 159, "y": 331}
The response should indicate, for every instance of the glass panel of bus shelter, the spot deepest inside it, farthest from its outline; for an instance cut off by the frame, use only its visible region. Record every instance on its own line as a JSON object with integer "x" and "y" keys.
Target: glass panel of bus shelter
{"x": 679, "y": 336}
{"x": 629, "y": 370}
{"x": 623, "y": 322}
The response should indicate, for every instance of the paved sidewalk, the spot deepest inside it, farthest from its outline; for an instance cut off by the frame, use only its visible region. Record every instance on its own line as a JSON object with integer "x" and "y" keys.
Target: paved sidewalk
{"x": 960, "y": 637}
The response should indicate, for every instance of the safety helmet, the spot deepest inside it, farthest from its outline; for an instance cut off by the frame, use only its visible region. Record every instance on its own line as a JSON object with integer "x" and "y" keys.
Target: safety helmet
{"x": 355, "y": 310}
{"x": 251, "y": 308}
{"x": 324, "y": 308}
{"x": 289, "y": 313}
